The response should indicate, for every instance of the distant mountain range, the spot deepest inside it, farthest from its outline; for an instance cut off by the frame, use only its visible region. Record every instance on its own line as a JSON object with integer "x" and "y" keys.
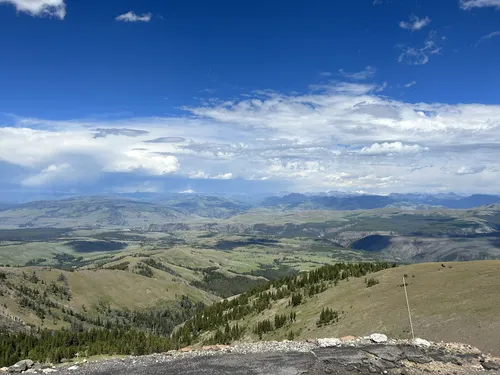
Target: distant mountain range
{"x": 145, "y": 209}
{"x": 112, "y": 211}
{"x": 332, "y": 200}
{"x": 367, "y": 202}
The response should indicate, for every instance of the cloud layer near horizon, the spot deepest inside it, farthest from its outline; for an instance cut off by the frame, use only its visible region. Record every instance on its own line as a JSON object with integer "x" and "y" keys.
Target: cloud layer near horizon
{"x": 334, "y": 137}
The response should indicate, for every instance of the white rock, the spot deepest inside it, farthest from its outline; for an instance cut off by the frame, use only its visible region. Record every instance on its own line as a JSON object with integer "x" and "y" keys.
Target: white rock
{"x": 48, "y": 370}
{"x": 421, "y": 343}
{"x": 328, "y": 343}
{"x": 73, "y": 368}
{"x": 378, "y": 337}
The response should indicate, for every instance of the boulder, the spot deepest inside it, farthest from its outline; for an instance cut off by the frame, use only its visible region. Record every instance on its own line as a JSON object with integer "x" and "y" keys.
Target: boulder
{"x": 378, "y": 338}
{"x": 490, "y": 365}
{"x": 186, "y": 350}
{"x": 329, "y": 343}
{"x": 4, "y": 369}
{"x": 21, "y": 366}
{"x": 421, "y": 343}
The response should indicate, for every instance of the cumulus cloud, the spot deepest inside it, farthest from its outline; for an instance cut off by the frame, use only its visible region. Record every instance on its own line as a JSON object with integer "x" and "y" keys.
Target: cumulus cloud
{"x": 139, "y": 160}
{"x": 49, "y": 154}
{"x": 53, "y": 173}
{"x": 392, "y": 148}
{"x": 488, "y": 36}
{"x": 40, "y": 8}
{"x": 342, "y": 135}
{"x": 415, "y": 23}
{"x": 366, "y": 73}
{"x": 132, "y": 17}
{"x": 470, "y": 4}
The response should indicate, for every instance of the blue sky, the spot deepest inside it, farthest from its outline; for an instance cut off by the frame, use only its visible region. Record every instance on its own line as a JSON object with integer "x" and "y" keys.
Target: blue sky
{"x": 377, "y": 96}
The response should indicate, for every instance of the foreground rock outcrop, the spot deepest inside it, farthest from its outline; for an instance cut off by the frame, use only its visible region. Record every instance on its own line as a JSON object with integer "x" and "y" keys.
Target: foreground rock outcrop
{"x": 375, "y": 354}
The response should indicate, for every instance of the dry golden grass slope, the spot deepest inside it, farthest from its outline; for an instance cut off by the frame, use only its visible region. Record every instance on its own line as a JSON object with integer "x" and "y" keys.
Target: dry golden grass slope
{"x": 458, "y": 304}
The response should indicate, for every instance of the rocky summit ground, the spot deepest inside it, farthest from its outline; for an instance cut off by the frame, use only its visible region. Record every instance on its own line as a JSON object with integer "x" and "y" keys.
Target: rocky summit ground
{"x": 369, "y": 355}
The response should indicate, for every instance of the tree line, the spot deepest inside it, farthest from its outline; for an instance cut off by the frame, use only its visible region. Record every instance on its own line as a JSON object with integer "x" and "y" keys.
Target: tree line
{"x": 296, "y": 288}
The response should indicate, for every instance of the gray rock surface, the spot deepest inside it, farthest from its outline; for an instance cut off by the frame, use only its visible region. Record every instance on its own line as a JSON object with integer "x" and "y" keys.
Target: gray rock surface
{"x": 290, "y": 358}
{"x": 21, "y": 366}
{"x": 378, "y": 338}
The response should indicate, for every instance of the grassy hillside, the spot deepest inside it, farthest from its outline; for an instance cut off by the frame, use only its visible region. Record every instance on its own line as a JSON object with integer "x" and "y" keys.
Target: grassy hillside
{"x": 52, "y": 298}
{"x": 457, "y": 302}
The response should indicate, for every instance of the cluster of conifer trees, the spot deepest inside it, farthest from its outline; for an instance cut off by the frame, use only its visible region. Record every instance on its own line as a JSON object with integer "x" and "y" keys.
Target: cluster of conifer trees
{"x": 55, "y": 346}
{"x": 296, "y": 288}
{"x": 327, "y": 316}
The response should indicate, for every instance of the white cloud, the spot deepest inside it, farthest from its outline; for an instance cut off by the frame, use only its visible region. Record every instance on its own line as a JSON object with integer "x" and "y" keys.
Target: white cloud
{"x": 205, "y": 176}
{"x": 488, "y": 36}
{"x": 142, "y": 160}
{"x": 410, "y": 84}
{"x": 40, "y": 8}
{"x": 470, "y": 4}
{"x": 346, "y": 88}
{"x": 415, "y": 23}
{"x": 387, "y": 148}
{"x": 48, "y": 175}
{"x": 470, "y": 170}
{"x": 339, "y": 136}
{"x": 48, "y": 154}
{"x": 420, "y": 55}
{"x": 367, "y": 72}
{"x": 132, "y": 17}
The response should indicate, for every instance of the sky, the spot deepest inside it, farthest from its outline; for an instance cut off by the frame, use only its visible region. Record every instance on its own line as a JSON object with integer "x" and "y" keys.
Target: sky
{"x": 211, "y": 96}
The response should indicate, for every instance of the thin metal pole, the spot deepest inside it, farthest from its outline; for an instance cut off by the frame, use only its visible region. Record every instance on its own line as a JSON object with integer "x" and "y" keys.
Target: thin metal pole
{"x": 408, "y": 304}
